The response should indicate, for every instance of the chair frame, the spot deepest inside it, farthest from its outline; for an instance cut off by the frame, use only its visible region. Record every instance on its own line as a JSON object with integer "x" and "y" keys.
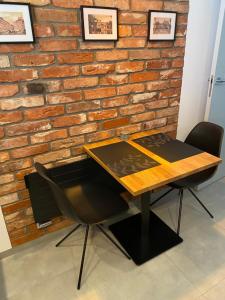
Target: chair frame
{"x": 100, "y": 227}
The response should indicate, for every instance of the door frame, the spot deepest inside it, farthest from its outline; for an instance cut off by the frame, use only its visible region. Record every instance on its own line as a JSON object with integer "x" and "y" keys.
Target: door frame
{"x": 215, "y": 58}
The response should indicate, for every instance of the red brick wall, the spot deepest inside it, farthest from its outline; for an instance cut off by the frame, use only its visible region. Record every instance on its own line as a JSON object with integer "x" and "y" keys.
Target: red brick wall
{"x": 85, "y": 92}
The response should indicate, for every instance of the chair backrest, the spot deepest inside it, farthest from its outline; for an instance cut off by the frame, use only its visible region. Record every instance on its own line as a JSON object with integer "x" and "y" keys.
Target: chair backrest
{"x": 62, "y": 201}
{"x": 207, "y": 137}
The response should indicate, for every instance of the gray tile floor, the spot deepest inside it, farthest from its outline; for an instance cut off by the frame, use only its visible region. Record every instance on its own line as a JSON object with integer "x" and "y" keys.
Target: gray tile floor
{"x": 193, "y": 270}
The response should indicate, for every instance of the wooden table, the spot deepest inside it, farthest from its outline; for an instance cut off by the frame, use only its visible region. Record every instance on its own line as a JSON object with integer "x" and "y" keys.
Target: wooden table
{"x": 144, "y": 235}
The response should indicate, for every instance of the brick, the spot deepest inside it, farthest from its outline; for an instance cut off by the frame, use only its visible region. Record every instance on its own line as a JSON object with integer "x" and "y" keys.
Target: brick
{"x": 143, "y": 117}
{"x": 77, "y": 151}
{"x": 52, "y": 156}
{"x": 4, "y": 61}
{"x": 146, "y": 5}
{"x": 169, "y": 93}
{"x": 98, "y": 69}
{"x": 118, "y": 101}
{"x": 139, "y": 30}
{"x": 35, "y": 2}
{"x": 180, "y": 42}
{"x": 84, "y": 45}
{"x": 115, "y": 123}
{"x": 13, "y": 143}
{"x": 82, "y": 129}
{"x": 75, "y": 58}
{"x": 99, "y": 136}
{"x": 1, "y": 132}
{"x": 102, "y": 115}
{"x": 132, "y": 18}
{"x": 126, "y": 67}
{"x": 43, "y": 30}
{"x": 68, "y": 30}
{"x": 177, "y": 83}
{"x": 15, "y": 103}
{"x": 144, "y": 54}
{"x": 64, "y": 98}
{"x": 158, "y": 64}
{"x": 20, "y": 175}
{"x": 172, "y": 120}
{"x": 174, "y": 101}
{"x": 181, "y": 31}
{"x": 59, "y": 71}
{"x": 156, "y": 104}
{"x": 144, "y": 97}
{"x": 43, "y": 112}
{"x": 166, "y": 112}
{"x": 6, "y": 178}
{"x": 9, "y": 48}
{"x": 67, "y": 143}
{"x": 114, "y": 79}
{"x": 157, "y": 85}
{"x": 157, "y": 123}
{"x": 27, "y": 60}
{"x": 10, "y": 198}
{"x": 129, "y": 129}
{"x": 69, "y": 120}
{"x": 29, "y": 151}
{"x": 9, "y": 209}
{"x": 56, "y": 15}
{"x": 11, "y": 188}
{"x": 130, "y": 88}
{"x": 53, "y": 86}
{"x": 132, "y": 109}
{"x": 131, "y": 43}
{"x": 161, "y": 44}
{"x": 27, "y": 127}
{"x": 8, "y": 90}
{"x": 121, "y": 4}
{"x": 11, "y": 117}
{"x": 171, "y": 74}
{"x": 178, "y": 63}
{"x": 71, "y": 3}
{"x": 182, "y": 19}
{"x": 57, "y": 45}
{"x": 17, "y": 75}
{"x": 80, "y": 82}
{"x": 4, "y": 156}
{"x": 112, "y": 55}
{"x": 83, "y": 106}
{"x": 144, "y": 76}
{"x": 45, "y": 137}
{"x": 180, "y": 7}
{"x": 171, "y": 53}
{"x": 12, "y": 166}
{"x": 99, "y": 93}
{"x": 125, "y": 30}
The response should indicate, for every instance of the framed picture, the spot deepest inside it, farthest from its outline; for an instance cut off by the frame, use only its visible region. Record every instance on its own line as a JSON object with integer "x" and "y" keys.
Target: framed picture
{"x": 16, "y": 23}
{"x": 162, "y": 25}
{"x": 99, "y": 23}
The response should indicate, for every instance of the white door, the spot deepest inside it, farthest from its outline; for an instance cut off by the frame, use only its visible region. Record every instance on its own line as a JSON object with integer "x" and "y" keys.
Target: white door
{"x": 215, "y": 111}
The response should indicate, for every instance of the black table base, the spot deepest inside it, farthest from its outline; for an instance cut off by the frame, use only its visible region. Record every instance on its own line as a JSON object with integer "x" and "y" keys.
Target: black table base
{"x": 142, "y": 246}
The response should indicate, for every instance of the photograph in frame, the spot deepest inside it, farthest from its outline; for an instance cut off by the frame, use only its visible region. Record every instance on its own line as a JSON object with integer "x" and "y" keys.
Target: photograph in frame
{"x": 162, "y": 25}
{"x": 16, "y": 23}
{"x": 99, "y": 23}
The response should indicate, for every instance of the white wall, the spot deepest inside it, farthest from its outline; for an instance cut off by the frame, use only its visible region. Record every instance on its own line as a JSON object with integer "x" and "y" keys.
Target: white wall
{"x": 4, "y": 238}
{"x": 201, "y": 33}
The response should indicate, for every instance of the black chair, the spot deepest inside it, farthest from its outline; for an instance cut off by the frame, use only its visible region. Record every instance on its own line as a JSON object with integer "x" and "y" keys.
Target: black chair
{"x": 208, "y": 137}
{"x": 87, "y": 202}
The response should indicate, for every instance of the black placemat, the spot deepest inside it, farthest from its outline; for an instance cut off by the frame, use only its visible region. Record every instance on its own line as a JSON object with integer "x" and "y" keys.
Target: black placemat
{"x": 123, "y": 159}
{"x": 167, "y": 148}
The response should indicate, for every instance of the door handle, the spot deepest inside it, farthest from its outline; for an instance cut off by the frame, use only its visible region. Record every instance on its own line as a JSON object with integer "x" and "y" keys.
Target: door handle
{"x": 220, "y": 80}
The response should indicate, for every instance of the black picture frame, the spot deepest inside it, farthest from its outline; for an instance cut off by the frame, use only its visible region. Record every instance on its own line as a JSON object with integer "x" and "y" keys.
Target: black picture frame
{"x": 84, "y": 35}
{"x": 149, "y": 25}
{"x": 29, "y": 41}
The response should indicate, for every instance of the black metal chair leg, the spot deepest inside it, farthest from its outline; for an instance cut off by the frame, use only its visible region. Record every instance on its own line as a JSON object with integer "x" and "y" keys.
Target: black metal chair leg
{"x": 166, "y": 193}
{"x": 199, "y": 201}
{"x": 181, "y": 192}
{"x": 114, "y": 243}
{"x": 83, "y": 256}
{"x": 60, "y": 242}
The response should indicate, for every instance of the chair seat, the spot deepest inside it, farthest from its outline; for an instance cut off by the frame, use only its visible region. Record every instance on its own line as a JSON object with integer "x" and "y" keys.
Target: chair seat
{"x": 94, "y": 203}
{"x": 193, "y": 180}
